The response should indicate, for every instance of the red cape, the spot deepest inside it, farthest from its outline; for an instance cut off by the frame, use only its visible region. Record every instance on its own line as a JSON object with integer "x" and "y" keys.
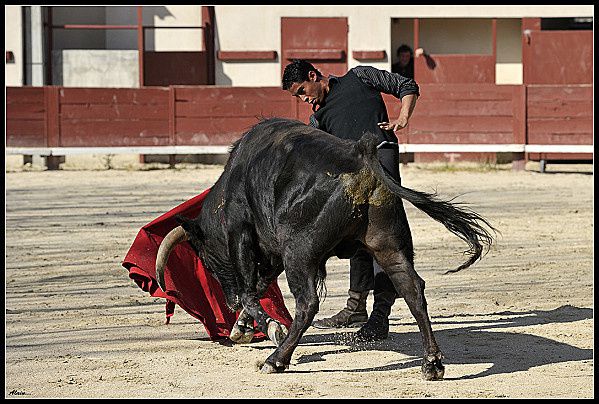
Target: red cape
{"x": 188, "y": 283}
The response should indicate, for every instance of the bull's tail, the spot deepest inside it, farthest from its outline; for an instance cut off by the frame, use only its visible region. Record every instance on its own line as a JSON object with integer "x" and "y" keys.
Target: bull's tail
{"x": 457, "y": 218}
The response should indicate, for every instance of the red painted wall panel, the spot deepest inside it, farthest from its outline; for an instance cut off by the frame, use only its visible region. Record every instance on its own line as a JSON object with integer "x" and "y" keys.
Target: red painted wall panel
{"x": 560, "y": 114}
{"x": 25, "y": 117}
{"x": 208, "y": 115}
{"x": 442, "y": 69}
{"x": 321, "y": 41}
{"x": 558, "y": 57}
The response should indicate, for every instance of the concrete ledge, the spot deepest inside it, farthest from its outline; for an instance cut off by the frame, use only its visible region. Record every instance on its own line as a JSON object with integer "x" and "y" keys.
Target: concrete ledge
{"x": 403, "y": 148}
{"x": 66, "y": 151}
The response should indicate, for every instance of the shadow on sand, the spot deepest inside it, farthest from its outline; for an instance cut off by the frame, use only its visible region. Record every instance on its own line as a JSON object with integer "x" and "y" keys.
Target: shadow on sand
{"x": 468, "y": 342}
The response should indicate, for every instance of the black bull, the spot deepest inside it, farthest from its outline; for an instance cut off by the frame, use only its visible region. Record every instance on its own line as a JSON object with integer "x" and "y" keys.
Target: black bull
{"x": 292, "y": 196}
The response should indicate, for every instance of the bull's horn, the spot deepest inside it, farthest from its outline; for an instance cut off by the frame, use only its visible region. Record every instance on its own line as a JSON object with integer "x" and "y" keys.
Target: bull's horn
{"x": 174, "y": 237}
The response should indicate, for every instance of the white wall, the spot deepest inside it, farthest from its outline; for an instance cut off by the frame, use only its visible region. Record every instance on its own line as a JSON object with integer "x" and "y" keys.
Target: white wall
{"x": 95, "y": 68}
{"x": 508, "y": 69}
{"x": 257, "y": 28}
{"x": 178, "y": 39}
{"x": 13, "y": 41}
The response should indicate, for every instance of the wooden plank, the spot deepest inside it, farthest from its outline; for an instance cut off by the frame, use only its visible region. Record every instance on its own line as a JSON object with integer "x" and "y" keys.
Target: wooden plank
{"x": 463, "y": 68}
{"x": 234, "y": 108}
{"x": 114, "y": 111}
{"x": 113, "y": 129}
{"x": 462, "y": 107}
{"x": 126, "y": 140}
{"x": 571, "y": 125}
{"x": 422, "y": 137}
{"x": 198, "y": 139}
{"x": 215, "y": 125}
{"x": 25, "y": 111}
{"x": 114, "y": 96}
{"x": 464, "y": 94}
{"x": 475, "y": 124}
{"x": 217, "y": 93}
{"x": 561, "y": 138}
{"x": 561, "y": 57}
{"x": 544, "y": 93}
{"x": 25, "y": 140}
{"x": 477, "y": 92}
{"x": 519, "y": 116}
{"x": 560, "y": 109}
{"x": 24, "y": 95}
{"x": 52, "y": 106}
{"x": 172, "y": 138}
{"x": 200, "y": 131}
{"x": 25, "y": 127}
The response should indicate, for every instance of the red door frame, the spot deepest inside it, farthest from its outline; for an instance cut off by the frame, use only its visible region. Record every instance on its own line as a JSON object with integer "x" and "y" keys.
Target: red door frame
{"x": 416, "y": 28}
{"x": 208, "y": 39}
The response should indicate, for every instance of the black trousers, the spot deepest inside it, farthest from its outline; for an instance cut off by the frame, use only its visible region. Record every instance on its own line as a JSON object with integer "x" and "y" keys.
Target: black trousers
{"x": 361, "y": 265}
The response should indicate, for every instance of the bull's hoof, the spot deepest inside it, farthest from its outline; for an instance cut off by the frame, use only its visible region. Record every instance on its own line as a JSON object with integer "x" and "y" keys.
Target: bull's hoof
{"x": 241, "y": 334}
{"x": 270, "y": 368}
{"x": 432, "y": 368}
{"x": 276, "y": 332}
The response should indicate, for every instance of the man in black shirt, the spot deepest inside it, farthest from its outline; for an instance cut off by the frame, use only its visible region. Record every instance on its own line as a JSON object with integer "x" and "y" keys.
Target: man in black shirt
{"x": 347, "y": 107}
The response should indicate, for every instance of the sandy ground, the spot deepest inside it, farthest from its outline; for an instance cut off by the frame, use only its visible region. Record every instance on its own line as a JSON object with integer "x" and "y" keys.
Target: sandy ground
{"x": 517, "y": 324}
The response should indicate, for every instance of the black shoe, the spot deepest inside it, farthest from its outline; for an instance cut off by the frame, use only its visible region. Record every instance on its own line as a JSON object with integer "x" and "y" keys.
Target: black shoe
{"x": 375, "y": 329}
{"x": 344, "y": 319}
{"x": 354, "y": 315}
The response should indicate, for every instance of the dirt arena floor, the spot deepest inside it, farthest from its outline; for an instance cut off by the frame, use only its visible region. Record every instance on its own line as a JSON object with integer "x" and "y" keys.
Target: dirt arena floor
{"x": 519, "y": 323}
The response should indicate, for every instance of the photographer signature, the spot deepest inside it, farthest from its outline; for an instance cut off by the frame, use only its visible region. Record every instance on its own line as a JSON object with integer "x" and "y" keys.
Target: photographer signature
{"x": 17, "y": 393}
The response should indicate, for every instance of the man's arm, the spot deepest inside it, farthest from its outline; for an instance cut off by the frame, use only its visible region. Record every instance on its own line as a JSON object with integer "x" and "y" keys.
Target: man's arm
{"x": 408, "y": 103}
{"x": 387, "y": 82}
{"x": 399, "y": 86}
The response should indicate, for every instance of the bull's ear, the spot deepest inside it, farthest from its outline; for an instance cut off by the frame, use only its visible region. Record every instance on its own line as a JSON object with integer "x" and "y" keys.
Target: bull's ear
{"x": 190, "y": 226}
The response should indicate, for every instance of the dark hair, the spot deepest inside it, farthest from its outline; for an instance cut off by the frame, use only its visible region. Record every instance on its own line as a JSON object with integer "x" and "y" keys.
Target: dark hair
{"x": 297, "y": 72}
{"x": 404, "y": 48}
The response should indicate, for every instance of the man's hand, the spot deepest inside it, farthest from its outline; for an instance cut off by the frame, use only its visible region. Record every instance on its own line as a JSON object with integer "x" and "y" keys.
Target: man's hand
{"x": 395, "y": 125}
{"x": 408, "y": 103}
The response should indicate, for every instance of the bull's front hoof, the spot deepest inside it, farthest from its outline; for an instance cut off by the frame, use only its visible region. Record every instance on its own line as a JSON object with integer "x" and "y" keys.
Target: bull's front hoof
{"x": 270, "y": 368}
{"x": 241, "y": 334}
{"x": 432, "y": 369}
{"x": 276, "y": 332}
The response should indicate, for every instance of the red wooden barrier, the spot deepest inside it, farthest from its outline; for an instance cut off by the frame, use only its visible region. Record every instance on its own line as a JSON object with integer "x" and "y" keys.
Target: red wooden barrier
{"x": 464, "y": 114}
{"x": 213, "y": 115}
{"x": 442, "y": 69}
{"x": 25, "y": 117}
{"x": 93, "y": 117}
{"x": 559, "y": 114}
{"x": 558, "y": 57}
{"x": 219, "y": 115}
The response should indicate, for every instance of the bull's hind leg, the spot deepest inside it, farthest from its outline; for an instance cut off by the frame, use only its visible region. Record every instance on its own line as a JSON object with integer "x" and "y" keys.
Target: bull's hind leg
{"x": 411, "y": 286}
